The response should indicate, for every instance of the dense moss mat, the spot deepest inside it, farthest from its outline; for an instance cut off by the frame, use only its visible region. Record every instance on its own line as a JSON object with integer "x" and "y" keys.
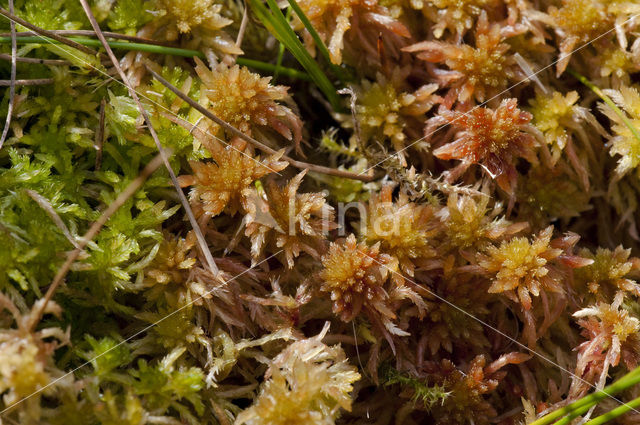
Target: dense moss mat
{"x": 425, "y": 212}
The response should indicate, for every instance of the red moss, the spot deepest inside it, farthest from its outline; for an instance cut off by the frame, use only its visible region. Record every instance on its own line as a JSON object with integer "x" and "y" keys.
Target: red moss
{"x": 495, "y": 139}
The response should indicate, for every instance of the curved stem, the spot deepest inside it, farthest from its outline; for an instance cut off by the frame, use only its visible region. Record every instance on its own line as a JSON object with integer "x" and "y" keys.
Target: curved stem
{"x": 228, "y": 127}
{"x": 12, "y": 82}
{"x": 204, "y": 248}
{"x": 127, "y": 193}
{"x": 32, "y": 82}
{"x": 89, "y": 33}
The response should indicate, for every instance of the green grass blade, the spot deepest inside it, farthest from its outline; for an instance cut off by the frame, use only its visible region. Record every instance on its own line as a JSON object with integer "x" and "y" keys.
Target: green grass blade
{"x": 574, "y": 414}
{"x": 174, "y": 51}
{"x": 268, "y": 67}
{"x": 281, "y": 49}
{"x": 276, "y": 24}
{"x": 583, "y": 404}
{"x": 165, "y": 50}
{"x": 618, "y": 411}
{"x": 324, "y": 51}
{"x": 314, "y": 34}
{"x": 606, "y": 99}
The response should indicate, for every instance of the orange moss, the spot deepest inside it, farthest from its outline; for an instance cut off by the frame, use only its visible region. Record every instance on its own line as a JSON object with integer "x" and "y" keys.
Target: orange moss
{"x": 494, "y": 139}
{"x": 245, "y": 99}
{"x": 223, "y": 183}
{"x": 521, "y": 268}
{"x": 404, "y": 229}
{"x": 474, "y": 72}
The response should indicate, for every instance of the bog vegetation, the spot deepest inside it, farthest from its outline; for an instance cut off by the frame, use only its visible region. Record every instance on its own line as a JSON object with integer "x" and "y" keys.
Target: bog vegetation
{"x": 319, "y": 212}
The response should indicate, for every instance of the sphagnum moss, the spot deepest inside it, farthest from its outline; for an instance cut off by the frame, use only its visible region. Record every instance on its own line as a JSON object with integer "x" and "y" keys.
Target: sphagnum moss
{"x": 484, "y": 272}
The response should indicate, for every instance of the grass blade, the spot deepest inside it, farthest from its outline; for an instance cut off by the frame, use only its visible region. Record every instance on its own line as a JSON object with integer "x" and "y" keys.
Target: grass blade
{"x": 314, "y": 34}
{"x": 583, "y": 404}
{"x": 618, "y": 411}
{"x": 165, "y": 50}
{"x": 606, "y": 99}
{"x": 280, "y": 52}
{"x": 324, "y": 51}
{"x": 276, "y": 24}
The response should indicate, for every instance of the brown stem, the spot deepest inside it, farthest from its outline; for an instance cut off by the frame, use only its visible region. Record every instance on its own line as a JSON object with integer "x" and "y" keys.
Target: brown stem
{"x": 12, "y": 82}
{"x": 89, "y": 33}
{"x": 51, "y": 212}
{"x": 34, "y": 82}
{"x": 231, "y": 129}
{"x": 243, "y": 26}
{"x": 129, "y": 191}
{"x": 47, "y": 33}
{"x": 4, "y": 56}
{"x": 60, "y": 62}
{"x": 100, "y": 135}
{"x": 183, "y": 199}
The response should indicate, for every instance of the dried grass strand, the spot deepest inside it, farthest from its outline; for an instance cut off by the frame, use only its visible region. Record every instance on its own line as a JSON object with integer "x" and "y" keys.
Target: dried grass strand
{"x": 528, "y": 78}
{"x": 231, "y": 129}
{"x": 51, "y": 212}
{"x": 89, "y": 33}
{"x": 31, "y": 82}
{"x": 491, "y": 327}
{"x": 243, "y": 25}
{"x": 47, "y": 33}
{"x": 183, "y": 199}
{"x": 110, "y": 74}
{"x": 100, "y": 135}
{"x": 12, "y": 82}
{"x": 4, "y": 56}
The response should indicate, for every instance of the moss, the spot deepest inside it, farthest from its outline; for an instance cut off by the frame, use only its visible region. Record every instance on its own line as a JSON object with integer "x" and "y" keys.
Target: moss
{"x": 491, "y": 207}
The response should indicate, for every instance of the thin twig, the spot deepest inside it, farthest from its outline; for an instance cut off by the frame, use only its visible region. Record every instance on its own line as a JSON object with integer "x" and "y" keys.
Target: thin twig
{"x": 183, "y": 199}
{"x": 128, "y": 192}
{"x": 47, "y": 33}
{"x": 12, "y": 83}
{"x": 53, "y": 382}
{"x": 228, "y": 127}
{"x": 243, "y": 26}
{"x": 4, "y": 56}
{"x": 33, "y": 82}
{"x": 100, "y": 135}
{"x": 89, "y": 33}
{"x": 58, "y": 62}
{"x": 51, "y": 212}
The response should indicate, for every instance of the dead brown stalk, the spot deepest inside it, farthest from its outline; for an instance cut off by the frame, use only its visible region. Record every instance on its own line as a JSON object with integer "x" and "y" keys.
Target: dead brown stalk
{"x": 4, "y": 56}
{"x": 12, "y": 82}
{"x": 47, "y": 33}
{"x": 100, "y": 135}
{"x": 231, "y": 129}
{"x": 183, "y": 199}
{"x": 33, "y": 82}
{"x": 89, "y": 33}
